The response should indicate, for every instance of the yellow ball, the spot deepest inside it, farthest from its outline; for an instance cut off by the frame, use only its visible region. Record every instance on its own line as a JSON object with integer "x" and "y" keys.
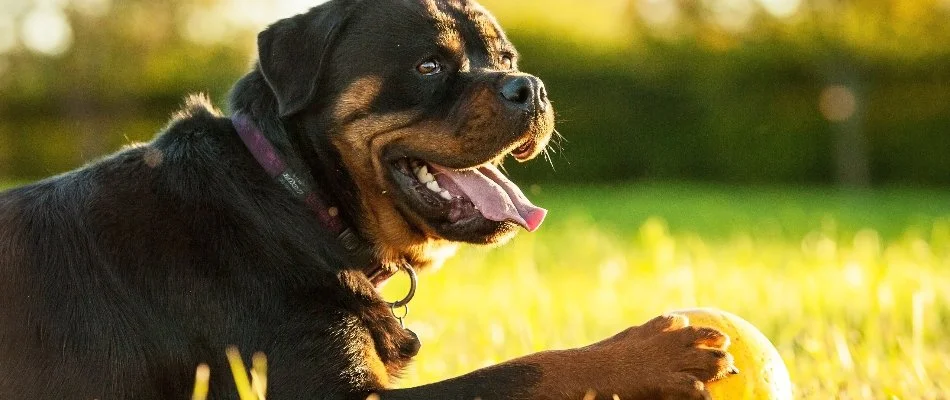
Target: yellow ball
{"x": 762, "y": 376}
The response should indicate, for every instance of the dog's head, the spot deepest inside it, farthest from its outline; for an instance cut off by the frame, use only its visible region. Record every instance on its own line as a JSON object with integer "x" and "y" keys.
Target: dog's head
{"x": 421, "y": 100}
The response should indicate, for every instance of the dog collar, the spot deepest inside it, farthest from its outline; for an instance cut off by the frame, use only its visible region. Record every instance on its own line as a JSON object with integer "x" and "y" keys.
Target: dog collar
{"x": 299, "y": 185}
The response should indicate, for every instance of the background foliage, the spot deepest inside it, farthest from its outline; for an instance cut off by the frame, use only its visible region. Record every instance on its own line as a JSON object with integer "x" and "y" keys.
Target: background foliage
{"x": 851, "y": 285}
{"x": 793, "y": 91}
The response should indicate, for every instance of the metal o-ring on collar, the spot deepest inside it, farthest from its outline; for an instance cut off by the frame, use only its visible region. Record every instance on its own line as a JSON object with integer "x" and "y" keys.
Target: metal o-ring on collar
{"x": 413, "y": 281}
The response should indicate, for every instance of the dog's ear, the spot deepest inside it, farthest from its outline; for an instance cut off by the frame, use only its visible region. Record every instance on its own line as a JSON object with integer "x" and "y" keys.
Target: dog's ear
{"x": 292, "y": 53}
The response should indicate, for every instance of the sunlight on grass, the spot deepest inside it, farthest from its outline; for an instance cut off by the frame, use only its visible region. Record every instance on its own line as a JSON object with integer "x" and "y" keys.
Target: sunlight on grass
{"x": 249, "y": 387}
{"x": 853, "y": 288}
{"x": 854, "y": 315}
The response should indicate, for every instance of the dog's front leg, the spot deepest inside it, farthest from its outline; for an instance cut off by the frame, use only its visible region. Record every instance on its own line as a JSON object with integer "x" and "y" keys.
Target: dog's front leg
{"x": 662, "y": 359}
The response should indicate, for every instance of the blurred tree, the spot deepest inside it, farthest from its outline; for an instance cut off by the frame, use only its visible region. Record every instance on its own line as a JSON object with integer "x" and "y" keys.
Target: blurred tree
{"x": 127, "y": 66}
{"x": 796, "y": 91}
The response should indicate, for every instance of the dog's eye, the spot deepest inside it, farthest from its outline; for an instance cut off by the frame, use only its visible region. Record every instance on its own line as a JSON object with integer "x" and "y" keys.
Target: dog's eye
{"x": 429, "y": 67}
{"x": 507, "y": 62}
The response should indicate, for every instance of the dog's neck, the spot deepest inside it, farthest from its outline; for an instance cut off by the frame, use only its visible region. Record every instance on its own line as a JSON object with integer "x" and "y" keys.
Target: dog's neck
{"x": 305, "y": 175}
{"x": 299, "y": 184}
{"x": 252, "y": 97}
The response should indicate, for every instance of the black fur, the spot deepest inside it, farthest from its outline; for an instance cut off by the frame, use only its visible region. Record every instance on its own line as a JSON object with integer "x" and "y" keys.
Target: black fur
{"x": 118, "y": 279}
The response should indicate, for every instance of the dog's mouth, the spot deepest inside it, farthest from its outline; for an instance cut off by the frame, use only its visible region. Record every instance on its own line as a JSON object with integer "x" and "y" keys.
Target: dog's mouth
{"x": 471, "y": 203}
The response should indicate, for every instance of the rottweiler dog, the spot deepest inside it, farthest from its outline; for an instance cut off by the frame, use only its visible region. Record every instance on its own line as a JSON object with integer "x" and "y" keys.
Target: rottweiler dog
{"x": 365, "y": 139}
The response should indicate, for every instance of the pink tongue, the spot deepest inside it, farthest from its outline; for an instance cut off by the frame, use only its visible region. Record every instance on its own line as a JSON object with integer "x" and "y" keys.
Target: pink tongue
{"x": 496, "y": 197}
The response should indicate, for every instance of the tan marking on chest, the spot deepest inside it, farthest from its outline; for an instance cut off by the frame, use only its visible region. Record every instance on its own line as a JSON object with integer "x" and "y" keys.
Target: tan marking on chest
{"x": 374, "y": 364}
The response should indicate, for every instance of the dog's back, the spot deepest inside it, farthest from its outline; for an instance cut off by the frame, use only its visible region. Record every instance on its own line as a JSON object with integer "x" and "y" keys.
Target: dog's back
{"x": 92, "y": 263}
{"x": 60, "y": 305}
{"x": 118, "y": 279}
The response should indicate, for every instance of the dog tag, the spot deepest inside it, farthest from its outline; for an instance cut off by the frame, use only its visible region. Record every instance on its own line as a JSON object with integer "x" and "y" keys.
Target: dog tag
{"x": 400, "y": 318}
{"x": 411, "y": 347}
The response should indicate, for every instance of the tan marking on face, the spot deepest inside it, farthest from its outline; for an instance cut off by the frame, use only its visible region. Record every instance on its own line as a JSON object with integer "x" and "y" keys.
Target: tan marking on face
{"x": 475, "y": 132}
{"x": 433, "y": 10}
{"x": 358, "y": 97}
{"x": 361, "y": 145}
{"x": 486, "y": 26}
{"x": 448, "y": 37}
{"x": 451, "y": 41}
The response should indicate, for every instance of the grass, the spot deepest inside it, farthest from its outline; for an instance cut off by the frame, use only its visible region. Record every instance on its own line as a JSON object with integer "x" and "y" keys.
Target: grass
{"x": 852, "y": 287}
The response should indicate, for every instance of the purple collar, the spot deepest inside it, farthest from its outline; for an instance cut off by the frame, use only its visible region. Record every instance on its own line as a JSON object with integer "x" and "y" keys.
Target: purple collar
{"x": 299, "y": 185}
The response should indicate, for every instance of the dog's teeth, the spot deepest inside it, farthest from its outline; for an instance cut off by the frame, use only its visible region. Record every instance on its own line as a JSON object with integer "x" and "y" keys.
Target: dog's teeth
{"x": 425, "y": 178}
{"x": 424, "y": 175}
{"x": 434, "y": 186}
{"x": 445, "y": 194}
{"x": 418, "y": 166}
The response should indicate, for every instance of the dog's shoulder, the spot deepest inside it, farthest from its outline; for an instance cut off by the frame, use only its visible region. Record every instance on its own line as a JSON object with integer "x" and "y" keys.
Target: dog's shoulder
{"x": 195, "y": 148}
{"x": 196, "y": 116}
{"x": 198, "y": 121}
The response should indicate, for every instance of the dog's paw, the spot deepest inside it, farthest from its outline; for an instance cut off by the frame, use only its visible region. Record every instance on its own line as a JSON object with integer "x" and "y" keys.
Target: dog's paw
{"x": 699, "y": 352}
{"x": 655, "y": 326}
{"x": 666, "y": 358}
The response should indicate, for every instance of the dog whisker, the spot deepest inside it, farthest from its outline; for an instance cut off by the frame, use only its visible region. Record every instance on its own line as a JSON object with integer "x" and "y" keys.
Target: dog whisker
{"x": 547, "y": 156}
{"x": 558, "y": 140}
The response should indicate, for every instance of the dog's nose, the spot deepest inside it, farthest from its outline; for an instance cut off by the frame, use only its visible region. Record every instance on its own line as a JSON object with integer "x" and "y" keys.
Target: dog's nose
{"x": 524, "y": 91}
